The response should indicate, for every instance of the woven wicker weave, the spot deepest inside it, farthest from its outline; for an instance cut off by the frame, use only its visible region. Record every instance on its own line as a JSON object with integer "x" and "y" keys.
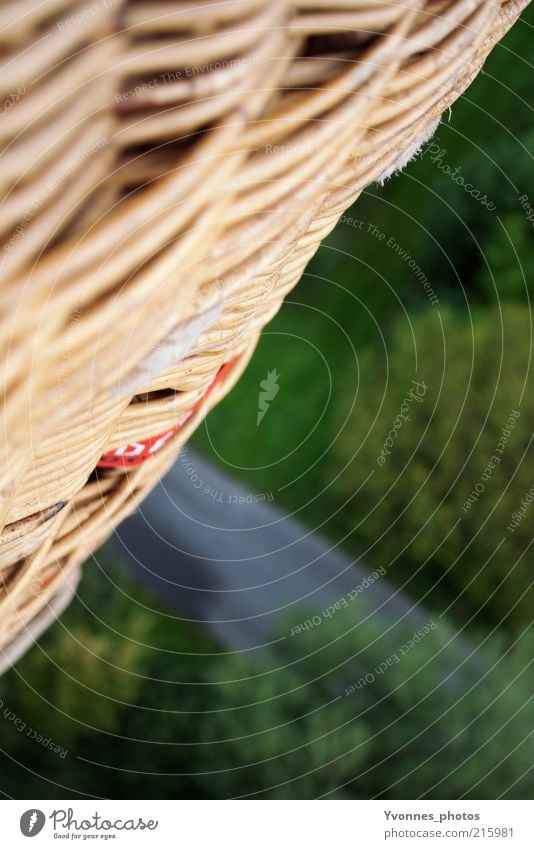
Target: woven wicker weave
{"x": 168, "y": 169}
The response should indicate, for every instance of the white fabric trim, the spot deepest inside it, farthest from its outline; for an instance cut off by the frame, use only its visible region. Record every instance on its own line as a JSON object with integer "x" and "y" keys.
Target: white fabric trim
{"x": 410, "y": 152}
{"x": 169, "y": 351}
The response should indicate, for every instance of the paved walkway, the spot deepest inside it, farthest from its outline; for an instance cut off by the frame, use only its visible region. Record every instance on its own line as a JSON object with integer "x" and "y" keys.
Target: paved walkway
{"x": 219, "y": 556}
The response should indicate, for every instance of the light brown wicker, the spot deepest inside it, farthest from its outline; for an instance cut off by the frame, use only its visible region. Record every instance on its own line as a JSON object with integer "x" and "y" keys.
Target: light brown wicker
{"x": 168, "y": 169}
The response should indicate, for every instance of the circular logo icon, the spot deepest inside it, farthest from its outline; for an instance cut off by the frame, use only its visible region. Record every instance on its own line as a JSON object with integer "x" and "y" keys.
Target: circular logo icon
{"x": 32, "y": 822}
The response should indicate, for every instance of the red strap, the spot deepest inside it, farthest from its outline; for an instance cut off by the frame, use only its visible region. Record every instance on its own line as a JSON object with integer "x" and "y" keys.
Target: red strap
{"x": 138, "y": 452}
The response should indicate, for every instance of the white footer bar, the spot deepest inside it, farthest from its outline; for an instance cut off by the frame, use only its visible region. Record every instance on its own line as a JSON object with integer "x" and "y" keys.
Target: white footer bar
{"x": 268, "y": 824}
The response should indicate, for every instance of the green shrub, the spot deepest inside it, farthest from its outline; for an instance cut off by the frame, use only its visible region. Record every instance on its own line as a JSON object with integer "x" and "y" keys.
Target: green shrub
{"x": 508, "y": 272}
{"x": 135, "y": 704}
{"x": 434, "y": 482}
{"x": 446, "y": 717}
{"x": 434, "y": 717}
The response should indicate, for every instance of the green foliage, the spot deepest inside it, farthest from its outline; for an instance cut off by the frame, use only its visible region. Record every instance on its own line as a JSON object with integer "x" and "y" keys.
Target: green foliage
{"x": 508, "y": 270}
{"x": 260, "y": 731}
{"x": 446, "y": 718}
{"x": 357, "y": 287}
{"x": 126, "y": 701}
{"x": 435, "y": 716}
{"x": 158, "y": 711}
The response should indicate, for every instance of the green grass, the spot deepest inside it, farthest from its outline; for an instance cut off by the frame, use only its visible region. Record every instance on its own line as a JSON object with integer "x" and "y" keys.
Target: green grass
{"x": 357, "y": 289}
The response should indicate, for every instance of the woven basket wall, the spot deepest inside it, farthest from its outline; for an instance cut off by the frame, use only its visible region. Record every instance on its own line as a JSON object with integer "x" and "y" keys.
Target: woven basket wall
{"x": 168, "y": 169}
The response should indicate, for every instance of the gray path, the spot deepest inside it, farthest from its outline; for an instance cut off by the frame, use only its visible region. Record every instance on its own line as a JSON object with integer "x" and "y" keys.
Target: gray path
{"x": 239, "y": 566}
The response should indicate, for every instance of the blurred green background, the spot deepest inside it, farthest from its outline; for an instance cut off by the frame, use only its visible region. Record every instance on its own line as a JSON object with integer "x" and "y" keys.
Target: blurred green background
{"x": 179, "y": 715}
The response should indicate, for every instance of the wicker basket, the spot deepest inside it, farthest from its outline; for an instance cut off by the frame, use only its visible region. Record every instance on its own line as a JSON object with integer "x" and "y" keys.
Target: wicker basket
{"x": 168, "y": 170}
